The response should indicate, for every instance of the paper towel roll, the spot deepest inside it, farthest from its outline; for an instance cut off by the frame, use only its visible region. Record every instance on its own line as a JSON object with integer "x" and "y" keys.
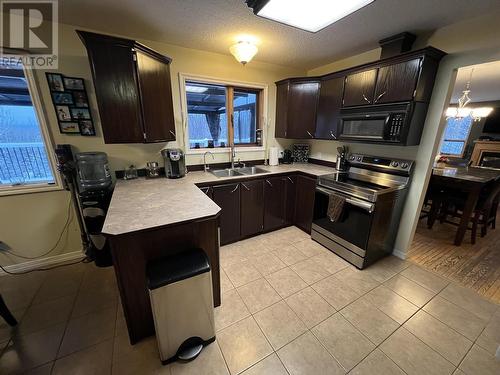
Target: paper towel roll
{"x": 273, "y": 156}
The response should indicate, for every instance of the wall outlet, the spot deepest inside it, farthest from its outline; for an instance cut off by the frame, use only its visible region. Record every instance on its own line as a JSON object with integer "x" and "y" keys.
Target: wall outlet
{"x": 4, "y": 246}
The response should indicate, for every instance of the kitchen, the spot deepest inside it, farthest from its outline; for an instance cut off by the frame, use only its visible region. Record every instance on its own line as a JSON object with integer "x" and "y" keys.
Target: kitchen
{"x": 220, "y": 71}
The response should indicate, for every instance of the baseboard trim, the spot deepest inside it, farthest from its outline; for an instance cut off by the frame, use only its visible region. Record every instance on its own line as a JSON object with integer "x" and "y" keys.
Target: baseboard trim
{"x": 43, "y": 262}
{"x": 398, "y": 253}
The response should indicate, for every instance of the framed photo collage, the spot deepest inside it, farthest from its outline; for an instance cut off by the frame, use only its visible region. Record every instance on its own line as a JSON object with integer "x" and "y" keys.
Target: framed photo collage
{"x": 71, "y": 104}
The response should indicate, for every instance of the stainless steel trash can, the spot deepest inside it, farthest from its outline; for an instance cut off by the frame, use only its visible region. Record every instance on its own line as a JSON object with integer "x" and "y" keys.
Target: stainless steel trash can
{"x": 180, "y": 290}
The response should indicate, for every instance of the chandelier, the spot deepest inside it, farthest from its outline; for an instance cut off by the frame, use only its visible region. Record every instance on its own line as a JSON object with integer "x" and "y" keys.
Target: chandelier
{"x": 462, "y": 111}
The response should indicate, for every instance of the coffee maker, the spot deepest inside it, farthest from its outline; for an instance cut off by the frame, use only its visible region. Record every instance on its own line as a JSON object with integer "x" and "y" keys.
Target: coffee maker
{"x": 175, "y": 162}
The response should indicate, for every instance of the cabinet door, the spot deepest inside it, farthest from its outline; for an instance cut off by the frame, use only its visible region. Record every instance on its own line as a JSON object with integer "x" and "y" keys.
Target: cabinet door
{"x": 359, "y": 88}
{"x": 330, "y": 102}
{"x": 227, "y": 197}
{"x": 290, "y": 189}
{"x": 281, "y": 109}
{"x": 274, "y": 203}
{"x": 397, "y": 82}
{"x": 252, "y": 207}
{"x": 113, "y": 70}
{"x": 156, "y": 98}
{"x": 302, "y": 107}
{"x": 304, "y": 203}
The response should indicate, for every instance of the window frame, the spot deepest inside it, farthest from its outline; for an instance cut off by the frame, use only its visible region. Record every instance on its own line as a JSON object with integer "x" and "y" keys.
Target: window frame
{"x": 464, "y": 141}
{"x": 261, "y": 118}
{"x": 40, "y": 114}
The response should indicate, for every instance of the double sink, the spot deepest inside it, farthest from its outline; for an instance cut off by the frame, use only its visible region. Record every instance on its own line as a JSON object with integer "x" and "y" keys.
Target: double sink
{"x": 231, "y": 172}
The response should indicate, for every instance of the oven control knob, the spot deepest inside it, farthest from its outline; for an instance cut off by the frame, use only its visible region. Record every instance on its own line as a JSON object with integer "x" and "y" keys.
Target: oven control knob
{"x": 351, "y": 157}
{"x": 404, "y": 165}
{"x": 395, "y": 163}
{"x": 358, "y": 158}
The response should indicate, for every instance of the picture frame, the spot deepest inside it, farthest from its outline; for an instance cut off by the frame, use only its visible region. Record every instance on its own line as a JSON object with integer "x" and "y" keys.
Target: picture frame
{"x": 72, "y": 83}
{"x": 86, "y": 128}
{"x": 79, "y": 114}
{"x": 63, "y": 113}
{"x": 70, "y": 101}
{"x": 80, "y": 99}
{"x": 70, "y": 127}
{"x": 64, "y": 98}
{"x": 55, "y": 82}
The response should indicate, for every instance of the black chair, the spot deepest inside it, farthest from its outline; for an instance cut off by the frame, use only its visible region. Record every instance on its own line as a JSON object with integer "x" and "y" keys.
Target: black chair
{"x": 6, "y": 314}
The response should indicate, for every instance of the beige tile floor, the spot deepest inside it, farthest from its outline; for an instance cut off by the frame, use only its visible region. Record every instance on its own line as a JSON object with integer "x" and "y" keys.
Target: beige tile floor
{"x": 289, "y": 306}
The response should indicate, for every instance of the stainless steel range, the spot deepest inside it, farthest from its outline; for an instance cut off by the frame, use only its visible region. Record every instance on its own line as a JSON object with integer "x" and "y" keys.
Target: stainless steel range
{"x": 371, "y": 193}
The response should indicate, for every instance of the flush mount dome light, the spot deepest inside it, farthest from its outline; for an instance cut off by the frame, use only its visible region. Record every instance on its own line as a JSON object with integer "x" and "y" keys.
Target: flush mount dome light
{"x": 243, "y": 51}
{"x": 310, "y": 15}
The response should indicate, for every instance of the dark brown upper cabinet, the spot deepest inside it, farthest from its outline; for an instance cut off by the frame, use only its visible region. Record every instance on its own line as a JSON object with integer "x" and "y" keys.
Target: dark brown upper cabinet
{"x": 359, "y": 88}
{"x": 133, "y": 89}
{"x": 329, "y": 105}
{"x": 397, "y": 82}
{"x": 296, "y": 106}
{"x": 252, "y": 207}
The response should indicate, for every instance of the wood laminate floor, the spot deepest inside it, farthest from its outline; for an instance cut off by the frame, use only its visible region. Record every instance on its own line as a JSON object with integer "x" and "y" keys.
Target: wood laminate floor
{"x": 474, "y": 266}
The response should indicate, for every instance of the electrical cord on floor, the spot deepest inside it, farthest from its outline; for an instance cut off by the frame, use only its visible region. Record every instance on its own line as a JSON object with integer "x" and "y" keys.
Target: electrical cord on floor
{"x": 69, "y": 220}
{"x": 83, "y": 260}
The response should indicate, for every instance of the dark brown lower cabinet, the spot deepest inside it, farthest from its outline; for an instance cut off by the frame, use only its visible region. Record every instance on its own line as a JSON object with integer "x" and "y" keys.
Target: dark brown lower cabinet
{"x": 274, "y": 203}
{"x": 252, "y": 207}
{"x": 304, "y": 204}
{"x": 227, "y": 197}
{"x": 290, "y": 183}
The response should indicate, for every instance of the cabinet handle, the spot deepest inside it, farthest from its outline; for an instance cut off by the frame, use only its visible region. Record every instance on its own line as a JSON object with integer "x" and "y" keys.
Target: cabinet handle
{"x": 364, "y": 97}
{"x": 289, "y": 179}
{"x": 269, "y": 183}
{"x": 310, "y": 135}
{"x": 236, "y": 188}
{"x": 246, "y": 187}
{"x": 173, "y": 133}
{"x": 333, "y": 135}
{"x": 379, "y": 97}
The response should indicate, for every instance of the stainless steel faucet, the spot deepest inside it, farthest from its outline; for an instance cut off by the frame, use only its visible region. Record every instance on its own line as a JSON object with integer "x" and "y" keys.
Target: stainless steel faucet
{"x": 206, "y": 166}
{"x": 232, "y": 154}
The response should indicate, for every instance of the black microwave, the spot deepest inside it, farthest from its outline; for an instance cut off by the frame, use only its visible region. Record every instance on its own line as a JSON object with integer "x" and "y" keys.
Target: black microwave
{"x": 390, "y": 124}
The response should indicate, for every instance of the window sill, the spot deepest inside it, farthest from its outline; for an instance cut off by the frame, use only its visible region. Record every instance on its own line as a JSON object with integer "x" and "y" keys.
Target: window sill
{"x": 220, "y": 150}
{"x": 28, "y": 189}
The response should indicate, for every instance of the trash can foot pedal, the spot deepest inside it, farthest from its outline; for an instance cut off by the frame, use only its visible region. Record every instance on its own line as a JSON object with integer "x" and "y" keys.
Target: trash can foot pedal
{"x": 190, "y": 353}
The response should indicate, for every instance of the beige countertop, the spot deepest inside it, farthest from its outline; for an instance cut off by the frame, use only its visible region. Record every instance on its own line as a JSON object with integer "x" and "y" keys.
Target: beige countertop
{"x": 144, "y": 204}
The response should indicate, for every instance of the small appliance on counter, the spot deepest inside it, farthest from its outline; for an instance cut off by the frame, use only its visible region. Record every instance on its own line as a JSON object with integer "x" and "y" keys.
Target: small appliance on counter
{"x": 175, "y": 162}
{"x": 93, "y": 171}
{"x": 300, "y": 153}
{"x": 341, "y": 162}
{"x": 287, "y": 157}
{"x": 152, "y": 169}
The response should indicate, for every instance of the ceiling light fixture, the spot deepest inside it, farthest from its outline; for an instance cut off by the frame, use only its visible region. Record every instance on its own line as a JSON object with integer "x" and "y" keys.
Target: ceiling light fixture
{"x": 243, "y": 51}
{"x": 463, "y": 111}
{"x": 310, "y": 15}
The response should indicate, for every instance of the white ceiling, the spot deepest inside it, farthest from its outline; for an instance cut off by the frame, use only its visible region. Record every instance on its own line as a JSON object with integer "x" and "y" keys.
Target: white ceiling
{"x": 485, "y": 82}
{"x": 213, "y": 25}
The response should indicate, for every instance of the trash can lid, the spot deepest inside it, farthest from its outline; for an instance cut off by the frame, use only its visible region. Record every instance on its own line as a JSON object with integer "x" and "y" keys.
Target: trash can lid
{"x": 170, "y": 269}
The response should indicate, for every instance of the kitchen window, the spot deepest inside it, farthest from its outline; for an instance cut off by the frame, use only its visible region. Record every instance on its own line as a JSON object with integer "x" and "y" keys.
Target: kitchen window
{"x": 455, "y": 136}
{"x": 25, "y": 162}
{"x": 220, "y": 114}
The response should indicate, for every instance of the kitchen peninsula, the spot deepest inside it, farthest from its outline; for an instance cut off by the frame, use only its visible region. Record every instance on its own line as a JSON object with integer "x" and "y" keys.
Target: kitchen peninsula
{"x": 148, "y": 219}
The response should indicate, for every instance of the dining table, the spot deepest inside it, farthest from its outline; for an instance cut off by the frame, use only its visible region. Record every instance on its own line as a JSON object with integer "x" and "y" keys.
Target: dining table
{"x": 469, "y": 180}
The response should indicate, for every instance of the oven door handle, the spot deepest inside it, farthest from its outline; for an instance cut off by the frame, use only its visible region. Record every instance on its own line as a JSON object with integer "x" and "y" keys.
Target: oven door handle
{"x": 370, "y": 207}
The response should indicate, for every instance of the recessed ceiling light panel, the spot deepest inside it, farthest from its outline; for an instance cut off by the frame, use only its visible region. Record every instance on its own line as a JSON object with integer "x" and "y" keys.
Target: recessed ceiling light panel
{"x": 309, "y": 15}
